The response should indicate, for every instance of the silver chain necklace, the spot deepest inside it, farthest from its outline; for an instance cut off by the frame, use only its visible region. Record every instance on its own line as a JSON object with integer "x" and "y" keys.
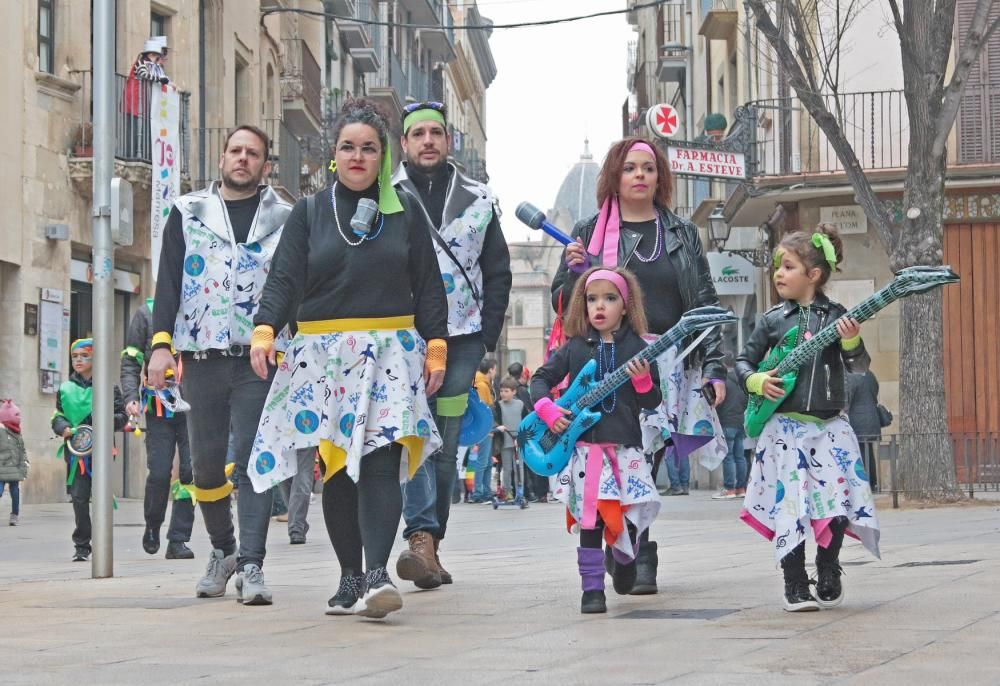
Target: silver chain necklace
{"x": 333, "y": 200}
{"x": 657, "y": 246}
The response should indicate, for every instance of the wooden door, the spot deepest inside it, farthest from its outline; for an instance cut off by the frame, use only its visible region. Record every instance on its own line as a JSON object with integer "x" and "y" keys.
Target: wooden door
{"x": 972, "y": 328}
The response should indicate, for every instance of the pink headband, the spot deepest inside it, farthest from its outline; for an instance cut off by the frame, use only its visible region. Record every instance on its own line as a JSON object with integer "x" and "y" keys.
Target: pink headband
{"x": 604, "y": 242}
{"x": 614, "y": 277}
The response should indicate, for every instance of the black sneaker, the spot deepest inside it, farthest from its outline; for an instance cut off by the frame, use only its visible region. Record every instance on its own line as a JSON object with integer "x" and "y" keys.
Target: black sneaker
{"x": 593, "y": 603}
{"x": 81, "y": 555}
{"x": 829, "y": 590}
{"x": 343, "y": 601}
{"x": 798, "y": 598}
{"x": 381, "y": 595}
{"x": 297, "y": 539}
{"x": 151, "y": 541}
{"x": 178, "y": 550}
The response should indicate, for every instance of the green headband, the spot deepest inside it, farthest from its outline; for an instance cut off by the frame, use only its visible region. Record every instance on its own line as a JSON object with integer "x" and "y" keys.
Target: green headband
{"x": 822, "y": 241}
{"x": 388, "y": 200}
{"x": 423, "y": 114}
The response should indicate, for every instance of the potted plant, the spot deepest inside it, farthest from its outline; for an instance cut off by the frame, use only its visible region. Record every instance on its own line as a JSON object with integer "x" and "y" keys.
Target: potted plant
{"x": 83, "y": 140}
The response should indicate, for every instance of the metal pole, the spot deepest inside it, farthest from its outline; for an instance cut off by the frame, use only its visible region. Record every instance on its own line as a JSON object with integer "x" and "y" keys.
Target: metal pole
{"x": 689, "y": 98}
{"x": 103, "y": 267}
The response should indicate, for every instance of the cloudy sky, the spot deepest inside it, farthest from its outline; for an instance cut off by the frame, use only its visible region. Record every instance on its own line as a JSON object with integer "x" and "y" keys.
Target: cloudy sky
{"x": 555, "y": 85}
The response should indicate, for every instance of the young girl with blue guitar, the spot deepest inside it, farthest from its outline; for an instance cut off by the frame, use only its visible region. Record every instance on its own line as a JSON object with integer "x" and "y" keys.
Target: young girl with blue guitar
{"x": 808, "y": 472}
{"x": 607, "y": 486}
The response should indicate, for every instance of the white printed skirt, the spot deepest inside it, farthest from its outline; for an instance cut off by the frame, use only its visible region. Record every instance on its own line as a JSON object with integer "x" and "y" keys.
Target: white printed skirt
{"x": 612, "y": 474}
{"x": 804, "y": 474}
{"x": 347, "y": 393}
{"x": 684, "y": 416}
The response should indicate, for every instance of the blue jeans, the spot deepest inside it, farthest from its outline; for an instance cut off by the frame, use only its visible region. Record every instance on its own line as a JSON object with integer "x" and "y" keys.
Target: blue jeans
{"x": 484, "y": 470}
{"x": 734, "y": 466}
{"x": 15, "y": 496}
{"x": 427, "y": 496}
{"x": 678, "y": 469}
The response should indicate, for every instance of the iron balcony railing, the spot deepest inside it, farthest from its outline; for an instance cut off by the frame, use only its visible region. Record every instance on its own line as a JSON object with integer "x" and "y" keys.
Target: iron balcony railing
{"x": 301, "y": 76}
{"x": 286, "y": 156}
{"x": 133, "y": 141}
{"x": 875, "y": 123}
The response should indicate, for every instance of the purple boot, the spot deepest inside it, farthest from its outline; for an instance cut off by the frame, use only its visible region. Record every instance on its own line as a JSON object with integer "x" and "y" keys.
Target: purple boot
{"x": 591, "y": 563}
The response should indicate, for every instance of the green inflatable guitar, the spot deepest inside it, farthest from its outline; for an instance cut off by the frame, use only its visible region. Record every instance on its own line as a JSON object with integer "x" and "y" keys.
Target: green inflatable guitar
{"x": 789, "y": 355}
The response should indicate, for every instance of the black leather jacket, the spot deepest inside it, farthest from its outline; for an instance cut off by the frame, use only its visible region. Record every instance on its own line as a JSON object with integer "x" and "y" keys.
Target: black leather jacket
{"x": 687, "y": 256}
{"x": 821, "y": 388}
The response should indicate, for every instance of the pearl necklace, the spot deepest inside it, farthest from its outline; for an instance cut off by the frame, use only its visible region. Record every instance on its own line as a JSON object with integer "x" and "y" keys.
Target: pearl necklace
{"x": 378, "y": 216}
{"x": 657, "y": 246}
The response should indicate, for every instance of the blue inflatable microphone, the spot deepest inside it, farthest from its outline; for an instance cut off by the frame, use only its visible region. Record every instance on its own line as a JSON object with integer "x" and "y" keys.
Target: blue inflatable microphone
{"x": 535, "y": 218}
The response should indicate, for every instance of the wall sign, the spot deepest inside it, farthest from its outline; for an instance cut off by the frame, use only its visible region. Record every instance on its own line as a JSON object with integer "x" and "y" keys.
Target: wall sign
{"x": 845, "y": 218}
{"x": 719, "y": 164}
{"x": 731, "y": 274}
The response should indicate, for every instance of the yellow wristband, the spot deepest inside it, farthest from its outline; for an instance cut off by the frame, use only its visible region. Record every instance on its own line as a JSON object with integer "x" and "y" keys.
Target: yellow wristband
{"x": 850, "y": 343}
{"x": 437, "y": 354}
{"x": 262, "y": 337}
{"x": 161, "y": 337}
{"x": 755, "y": 383}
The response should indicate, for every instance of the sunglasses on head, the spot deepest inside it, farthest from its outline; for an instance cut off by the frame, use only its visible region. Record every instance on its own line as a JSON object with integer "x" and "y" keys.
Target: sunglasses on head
{"x": 430, "y": 105}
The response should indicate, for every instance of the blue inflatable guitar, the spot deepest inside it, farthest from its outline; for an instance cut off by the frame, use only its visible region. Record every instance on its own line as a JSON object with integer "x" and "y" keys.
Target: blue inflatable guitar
{"x": 547, "y": 453}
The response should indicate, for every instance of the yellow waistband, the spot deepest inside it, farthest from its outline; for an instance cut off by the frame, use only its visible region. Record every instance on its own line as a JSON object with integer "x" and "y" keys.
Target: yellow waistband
{"x": 356, "y": 324}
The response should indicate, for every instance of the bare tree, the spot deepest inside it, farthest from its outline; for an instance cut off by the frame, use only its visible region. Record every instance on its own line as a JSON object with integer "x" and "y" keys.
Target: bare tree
{"x": 925, "y": 30}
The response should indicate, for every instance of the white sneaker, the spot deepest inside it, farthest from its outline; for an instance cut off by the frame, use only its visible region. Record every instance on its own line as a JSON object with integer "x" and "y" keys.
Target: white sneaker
{"x": 381, "y": 596}
{"x": 220, "y": 568}
{"x": 250, "y": 587}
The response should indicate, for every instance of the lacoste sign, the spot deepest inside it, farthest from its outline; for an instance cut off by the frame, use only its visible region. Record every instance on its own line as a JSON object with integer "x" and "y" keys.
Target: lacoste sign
{"x": 731, "y": 274}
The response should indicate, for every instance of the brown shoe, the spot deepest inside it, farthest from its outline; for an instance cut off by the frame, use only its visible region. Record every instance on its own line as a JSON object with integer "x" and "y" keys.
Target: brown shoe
{"x": 445, "y": 575}
{"x": 418, "y": 564}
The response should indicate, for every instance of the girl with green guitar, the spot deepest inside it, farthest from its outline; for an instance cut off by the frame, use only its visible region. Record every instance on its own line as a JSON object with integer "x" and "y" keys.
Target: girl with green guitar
{"x": 808, "y": 471}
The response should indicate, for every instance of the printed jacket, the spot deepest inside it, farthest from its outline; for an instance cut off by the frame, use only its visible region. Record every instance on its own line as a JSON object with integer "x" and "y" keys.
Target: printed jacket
{"x": 223, "y": 280}
{"x": 472, "y": 231}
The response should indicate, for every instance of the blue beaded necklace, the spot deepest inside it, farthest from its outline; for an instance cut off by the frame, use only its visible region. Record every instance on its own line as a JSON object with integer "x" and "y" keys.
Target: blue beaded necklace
{"x": 605, "y": 367}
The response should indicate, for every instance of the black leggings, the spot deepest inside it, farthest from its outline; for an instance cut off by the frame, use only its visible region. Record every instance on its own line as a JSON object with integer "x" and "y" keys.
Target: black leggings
{"x": 365, "y": 515}
{"x": 594, "y": 538}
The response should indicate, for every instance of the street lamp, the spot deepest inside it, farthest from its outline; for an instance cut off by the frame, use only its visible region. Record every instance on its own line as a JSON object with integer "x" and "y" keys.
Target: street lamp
{"x": 718, "y": 227}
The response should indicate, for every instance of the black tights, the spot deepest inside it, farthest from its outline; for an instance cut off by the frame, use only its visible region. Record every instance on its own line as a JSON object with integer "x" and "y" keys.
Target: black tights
{"x": 365, "y": 515}
{"x": 594, "y": 538}
{"x": 794, "y": 563}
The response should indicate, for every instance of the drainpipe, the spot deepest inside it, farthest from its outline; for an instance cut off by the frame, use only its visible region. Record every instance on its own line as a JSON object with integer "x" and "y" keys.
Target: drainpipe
{"x": 201, "y": 89}
{"x": 689, "y": 96}
{"x": 746, "y": 49}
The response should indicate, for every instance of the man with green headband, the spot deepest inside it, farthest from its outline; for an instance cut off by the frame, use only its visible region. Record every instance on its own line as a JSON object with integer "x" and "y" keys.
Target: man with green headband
{"x": 475, "y": 266}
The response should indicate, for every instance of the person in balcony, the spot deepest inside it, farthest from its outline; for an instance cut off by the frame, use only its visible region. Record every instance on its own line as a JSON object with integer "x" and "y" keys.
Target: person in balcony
{"x": 635, "y": 229}
{"x": 146, "y": 70}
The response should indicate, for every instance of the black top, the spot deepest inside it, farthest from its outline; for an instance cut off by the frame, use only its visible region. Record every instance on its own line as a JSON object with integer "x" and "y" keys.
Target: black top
{"x": 171, "y": 271}
{"x": 433, "y": 189}
{"x": 862, "y": 404}
{"x": 660, "y": 291}
{"x": 732, "y": 409}
{"x": 621, "y": 425}
{"x": 317, "y": 275}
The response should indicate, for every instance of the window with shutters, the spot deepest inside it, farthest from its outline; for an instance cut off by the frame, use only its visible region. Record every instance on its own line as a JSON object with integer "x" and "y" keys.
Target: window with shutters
{"x": 46, "y": 36}
{"x": 978, "y": 138}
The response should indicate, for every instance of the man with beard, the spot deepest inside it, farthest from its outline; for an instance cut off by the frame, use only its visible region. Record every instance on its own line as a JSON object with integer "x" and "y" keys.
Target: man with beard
{"x": 217, "y": 251}
{"x": 475, "y": 266}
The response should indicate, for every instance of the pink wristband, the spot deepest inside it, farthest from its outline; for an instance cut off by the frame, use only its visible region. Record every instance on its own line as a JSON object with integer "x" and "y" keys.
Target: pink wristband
{"x": 548, "y": 411}
{"x": 642, "y": 384}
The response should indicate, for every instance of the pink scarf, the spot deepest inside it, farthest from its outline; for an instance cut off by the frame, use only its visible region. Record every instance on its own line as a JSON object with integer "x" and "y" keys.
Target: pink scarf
{"x": 604, "y": 242}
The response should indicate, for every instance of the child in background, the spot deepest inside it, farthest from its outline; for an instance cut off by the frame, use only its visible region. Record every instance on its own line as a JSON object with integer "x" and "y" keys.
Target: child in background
{"x": 74, "y": 405}
{"x": 508, "y": 413}
{"x": 808, "y": 472}
{"x": 607, "y": 486}
{"x": 13, "y": 457}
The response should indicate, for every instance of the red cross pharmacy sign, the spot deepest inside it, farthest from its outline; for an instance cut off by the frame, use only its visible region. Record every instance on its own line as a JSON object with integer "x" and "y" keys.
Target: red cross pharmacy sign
{"x": 662, "y": 120}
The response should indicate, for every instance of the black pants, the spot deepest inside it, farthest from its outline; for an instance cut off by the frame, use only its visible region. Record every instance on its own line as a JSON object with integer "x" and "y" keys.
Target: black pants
{"x": 225, "y": 392}
{"x": 164, "y": 436}
{"x": 79, "y": 491}
{"x": 365, "y": 515}
{"x": 869, "y": 448}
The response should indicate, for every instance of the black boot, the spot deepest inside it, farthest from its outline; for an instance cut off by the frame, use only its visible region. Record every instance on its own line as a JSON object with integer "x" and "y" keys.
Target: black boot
{"x": 829, "y": 590}
{"x": 645, "y": 569}
{"x": 151, "y": 540}
{"x": 797, "y": 596}
{"x": 178, "y": 550}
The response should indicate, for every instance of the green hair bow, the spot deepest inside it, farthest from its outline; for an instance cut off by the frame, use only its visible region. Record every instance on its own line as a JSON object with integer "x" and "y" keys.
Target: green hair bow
{"x": 822, "y": 241}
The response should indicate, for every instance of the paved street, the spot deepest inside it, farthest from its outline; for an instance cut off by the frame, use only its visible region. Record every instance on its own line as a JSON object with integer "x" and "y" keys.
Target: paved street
{"x": 512, "y": 616}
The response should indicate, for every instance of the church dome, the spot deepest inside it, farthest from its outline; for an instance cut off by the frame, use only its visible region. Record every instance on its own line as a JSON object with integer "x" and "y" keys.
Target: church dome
{"x": 578, "y": 192}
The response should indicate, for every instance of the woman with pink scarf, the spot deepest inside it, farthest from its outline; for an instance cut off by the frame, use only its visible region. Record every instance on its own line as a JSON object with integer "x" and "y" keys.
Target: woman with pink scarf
{"x": 635, "y": 229}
